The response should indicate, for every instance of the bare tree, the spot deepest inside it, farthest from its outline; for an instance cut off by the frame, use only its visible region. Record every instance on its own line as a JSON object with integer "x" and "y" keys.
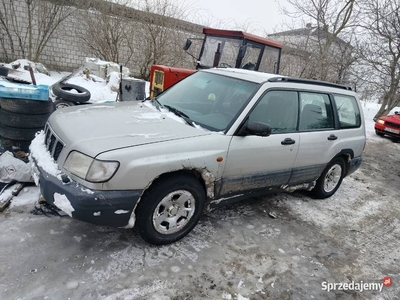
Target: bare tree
{"x": 380, "y": 49}
{"x": 161, "y": 38}
{"x": 332, "y": 18}
{"x": 137, "y": 33}
{"x": 44, "y": 17}
{"x": 105, "y": 34}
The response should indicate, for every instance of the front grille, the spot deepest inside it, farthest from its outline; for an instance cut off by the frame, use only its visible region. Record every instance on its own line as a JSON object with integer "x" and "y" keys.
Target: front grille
{"x": 392, "y": 124}
{"x": 53, "y": 143}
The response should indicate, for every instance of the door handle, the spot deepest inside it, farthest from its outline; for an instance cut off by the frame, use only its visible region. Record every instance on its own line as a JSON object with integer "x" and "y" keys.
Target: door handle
{"x": 332, "y": 137}
{"x": 288, "y": 141}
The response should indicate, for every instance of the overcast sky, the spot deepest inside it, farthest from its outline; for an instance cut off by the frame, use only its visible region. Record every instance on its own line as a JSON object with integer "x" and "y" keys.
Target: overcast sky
{"x": 254, "y": 13}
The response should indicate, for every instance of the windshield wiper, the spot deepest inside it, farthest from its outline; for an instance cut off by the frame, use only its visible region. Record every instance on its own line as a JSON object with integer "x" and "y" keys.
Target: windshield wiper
{"x": 180, "y": 114}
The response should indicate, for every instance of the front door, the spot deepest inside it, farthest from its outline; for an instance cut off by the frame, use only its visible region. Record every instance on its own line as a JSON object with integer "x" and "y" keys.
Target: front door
{"x": 256, "y": 162}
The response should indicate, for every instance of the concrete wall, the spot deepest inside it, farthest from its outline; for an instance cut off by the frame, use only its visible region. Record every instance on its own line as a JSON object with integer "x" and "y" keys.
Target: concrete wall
{"x": 65, "y": 51}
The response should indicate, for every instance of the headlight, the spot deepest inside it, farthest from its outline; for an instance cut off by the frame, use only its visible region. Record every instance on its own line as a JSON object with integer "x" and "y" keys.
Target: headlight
{"x": 381, "y": 121}
{"x": 90, "y": 169}
{"x": 101, "y": 171}
{"x": 78, "y": 164}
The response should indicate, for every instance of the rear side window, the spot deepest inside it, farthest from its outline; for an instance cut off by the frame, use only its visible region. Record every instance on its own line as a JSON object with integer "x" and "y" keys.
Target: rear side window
{"x": 315, "y": 112}
{"x": 349, "y": 114}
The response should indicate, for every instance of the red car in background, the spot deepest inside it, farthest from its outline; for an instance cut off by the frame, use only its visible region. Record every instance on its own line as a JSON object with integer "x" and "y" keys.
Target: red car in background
{"x": 389, "y": 125}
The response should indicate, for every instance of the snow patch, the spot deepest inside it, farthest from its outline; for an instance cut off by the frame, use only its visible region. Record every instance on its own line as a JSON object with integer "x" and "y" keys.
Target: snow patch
{"x": 175, "y": 269}
{"x": 90, "y": 192}
{"x": 121, "y": 211}
{"x": 226, "y": 296}
{"x": 72, "y": 285}
{"x": 150, "y": 116}
{"x": 27, "y": 196}
{"x": 62, "y": 202}
{"x": 42, "y": 156}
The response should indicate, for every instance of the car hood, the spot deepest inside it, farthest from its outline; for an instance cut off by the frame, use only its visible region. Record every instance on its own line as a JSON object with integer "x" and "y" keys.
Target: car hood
{"x": 93, "y": 129}
{"x": 391, "y": 118}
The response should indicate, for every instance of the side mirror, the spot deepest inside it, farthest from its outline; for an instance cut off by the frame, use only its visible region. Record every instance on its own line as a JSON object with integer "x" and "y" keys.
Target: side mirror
{"x": 258, "y": 128}
{"x": 187, "y": 44}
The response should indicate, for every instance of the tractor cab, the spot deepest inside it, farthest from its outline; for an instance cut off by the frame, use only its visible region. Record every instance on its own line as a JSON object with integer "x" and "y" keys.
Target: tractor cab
{"x": 222, "y": 49}
{"x": 237, "y": 49}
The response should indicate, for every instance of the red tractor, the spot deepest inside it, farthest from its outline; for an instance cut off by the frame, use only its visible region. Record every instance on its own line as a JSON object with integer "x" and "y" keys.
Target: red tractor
{"x": 222, "y": 48}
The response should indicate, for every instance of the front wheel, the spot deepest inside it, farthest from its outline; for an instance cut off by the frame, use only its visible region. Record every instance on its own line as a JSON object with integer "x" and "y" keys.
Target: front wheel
{"x": 170, "y": 209}
{"x": 330, "y": 179}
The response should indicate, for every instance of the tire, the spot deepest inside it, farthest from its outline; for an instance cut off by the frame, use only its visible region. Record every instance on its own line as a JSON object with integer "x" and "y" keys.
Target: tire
{"x": 18, "y": 134}
{"x": 379, "y": 133}
{"x": 187, "y": 190}
{"x": 28, "y": 107}
{"x": 12, "y": 145}
{"x": 64, "y": 91}
{"x": 330, "y": 179}
{"x": 3, "y": 71}
{"x": 22, "y": 120}
{"x": 59, "y": 104}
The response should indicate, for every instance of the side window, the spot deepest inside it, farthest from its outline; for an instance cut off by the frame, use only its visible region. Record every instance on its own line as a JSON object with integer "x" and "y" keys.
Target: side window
{"x": 349, "y": 114}
{"x": 315, "y": 112}
{"x": 278, "y": 109}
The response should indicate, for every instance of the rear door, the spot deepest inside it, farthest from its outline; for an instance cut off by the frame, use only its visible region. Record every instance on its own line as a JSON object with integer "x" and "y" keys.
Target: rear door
{"x": 256, "y": 162}
{"x": 318, "y": 137}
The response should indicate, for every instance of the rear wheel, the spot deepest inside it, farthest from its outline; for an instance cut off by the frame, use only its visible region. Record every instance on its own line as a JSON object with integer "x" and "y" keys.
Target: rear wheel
{"x": 170, "y": 209}
{"x": 330, "y": 179}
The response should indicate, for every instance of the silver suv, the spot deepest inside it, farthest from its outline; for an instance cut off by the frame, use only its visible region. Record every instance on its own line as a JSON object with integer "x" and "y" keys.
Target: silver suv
{"x": 216, "y": 137}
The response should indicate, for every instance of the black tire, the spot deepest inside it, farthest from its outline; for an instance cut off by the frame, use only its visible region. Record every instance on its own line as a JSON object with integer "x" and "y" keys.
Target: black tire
{"x": 379, "y": 133}
{"x": 3, "y": 71}
{"x": 156, "y": 195}
{"x": 22, "y": 120}
{"x": 63, "y": 90}
{"x": 59, "y": 104}
{"x": 337, "y": 165}
{"x": 18, "y": 134}
{"x": 28, "y": 107}
{"x": 11, "y": 145}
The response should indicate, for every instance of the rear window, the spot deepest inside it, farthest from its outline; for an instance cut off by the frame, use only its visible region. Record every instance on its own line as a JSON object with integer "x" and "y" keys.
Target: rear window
{"x": 349, "y": 114}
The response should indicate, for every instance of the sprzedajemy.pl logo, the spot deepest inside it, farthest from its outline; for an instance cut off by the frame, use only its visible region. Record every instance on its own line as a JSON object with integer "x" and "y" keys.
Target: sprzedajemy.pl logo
{"x": 356, "y": 286}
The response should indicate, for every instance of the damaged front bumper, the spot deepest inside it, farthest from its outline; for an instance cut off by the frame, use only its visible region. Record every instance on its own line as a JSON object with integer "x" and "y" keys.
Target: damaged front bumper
{"x": 108, "y": 208}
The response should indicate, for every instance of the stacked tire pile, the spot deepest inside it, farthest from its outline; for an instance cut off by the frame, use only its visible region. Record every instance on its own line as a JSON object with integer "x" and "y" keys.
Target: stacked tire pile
{"x": 20, "y": 119}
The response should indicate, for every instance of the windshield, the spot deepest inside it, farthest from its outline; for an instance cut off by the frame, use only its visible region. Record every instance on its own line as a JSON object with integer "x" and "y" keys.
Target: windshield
{"x": 209, "y": 100}
{"x": 229, "y": 49}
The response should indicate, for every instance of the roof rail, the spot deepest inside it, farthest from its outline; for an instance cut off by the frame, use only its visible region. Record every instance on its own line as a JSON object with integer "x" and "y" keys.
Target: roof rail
{"x": 309, "y": 81}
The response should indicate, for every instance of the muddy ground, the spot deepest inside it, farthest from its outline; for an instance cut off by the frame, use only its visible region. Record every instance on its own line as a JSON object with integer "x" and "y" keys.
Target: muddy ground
{"x": 235, "y": 252}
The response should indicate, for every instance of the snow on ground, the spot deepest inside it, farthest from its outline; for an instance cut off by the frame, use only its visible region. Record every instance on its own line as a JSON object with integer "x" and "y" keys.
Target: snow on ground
{"x": 100, "y": 91}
